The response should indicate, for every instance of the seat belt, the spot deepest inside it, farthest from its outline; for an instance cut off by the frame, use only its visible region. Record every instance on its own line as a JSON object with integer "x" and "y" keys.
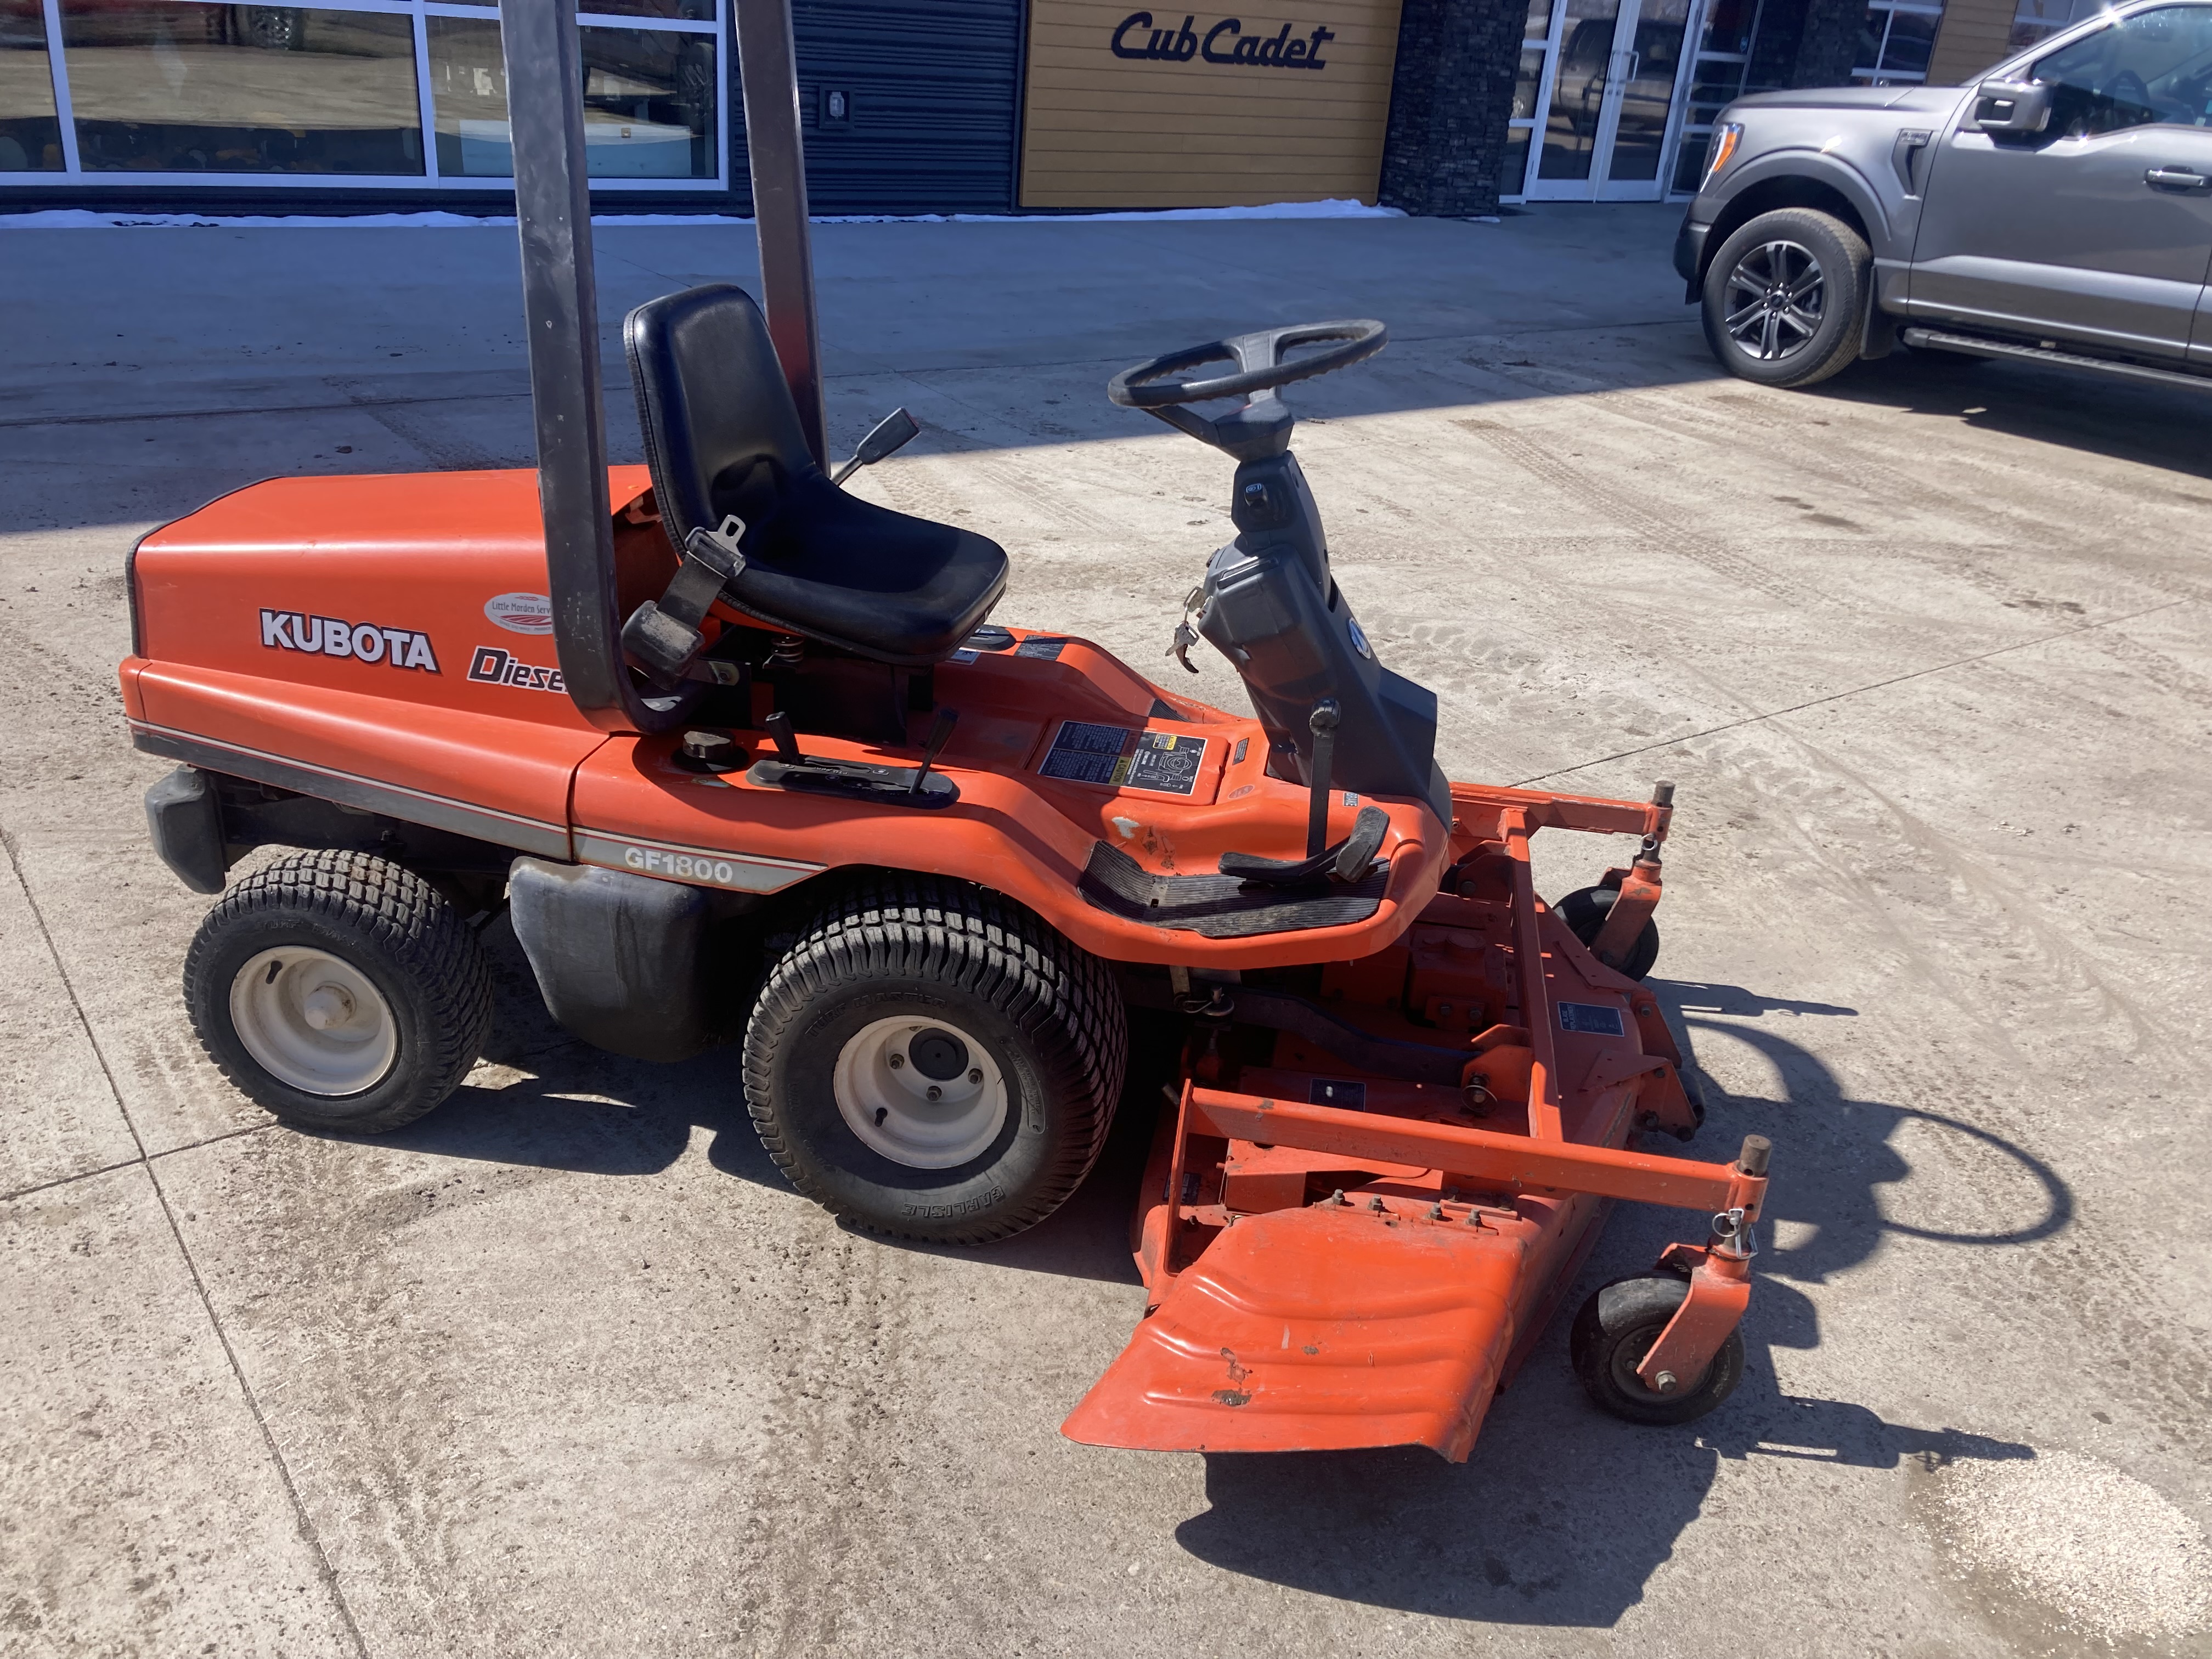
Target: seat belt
{"x": 663, "y": 636}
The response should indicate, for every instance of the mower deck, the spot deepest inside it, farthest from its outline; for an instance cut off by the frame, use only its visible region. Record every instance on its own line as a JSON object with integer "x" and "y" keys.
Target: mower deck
{"x": 1336, "y": 1255}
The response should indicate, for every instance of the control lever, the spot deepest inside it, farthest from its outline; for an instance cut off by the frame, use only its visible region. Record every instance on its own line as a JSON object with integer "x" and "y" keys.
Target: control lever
{"x": 1323, "y": 722}
{"x": 946, "y": 719}
{"x": 778, "y": 727}
{"x": 890, "y": 434}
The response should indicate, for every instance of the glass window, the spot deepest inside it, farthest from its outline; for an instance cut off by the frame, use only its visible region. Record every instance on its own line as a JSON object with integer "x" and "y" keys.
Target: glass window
{"x": 1729, "y": 24}
{"x": 1526, "y": 81}
{"x": 648, "y": 102}
{"x": 175, "y": 86}
{"x": 2153, "y": 67}
{"x": 1513, "y": 170}
{"x": 1911, "y": 38}
{"x": 1690, "y": 161}
{"x": 1539, "y": 20}
{"x": 684, "y": 11}
{"x": 2038, "y": 20}
{"x": 30, "y": 135}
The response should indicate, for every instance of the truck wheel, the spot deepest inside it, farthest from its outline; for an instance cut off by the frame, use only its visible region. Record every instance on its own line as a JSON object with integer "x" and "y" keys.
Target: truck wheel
{"x": 339, "y": 992}
{"x": 932, "y": 1061}
{"x": 1584, "y": 911}
{"x": 1785, "y": 297}
{"x": 1616, "y": 1328}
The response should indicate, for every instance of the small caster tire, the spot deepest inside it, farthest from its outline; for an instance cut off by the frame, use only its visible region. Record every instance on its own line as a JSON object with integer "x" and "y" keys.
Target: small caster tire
{"x": 339, "y": 992}
{"x": 1584, "y": 911}
{"x": 932, "y": 1061}
{"x": 1616, "y": 1327}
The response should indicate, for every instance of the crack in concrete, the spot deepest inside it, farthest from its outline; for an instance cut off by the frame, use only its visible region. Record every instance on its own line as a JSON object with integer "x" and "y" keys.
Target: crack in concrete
{"x": 307, "y": 1527}
{"x": 1855, "y": 690}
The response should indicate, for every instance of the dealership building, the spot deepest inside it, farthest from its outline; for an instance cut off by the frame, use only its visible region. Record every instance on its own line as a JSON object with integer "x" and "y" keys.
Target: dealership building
{"x": 1436, "y": 107}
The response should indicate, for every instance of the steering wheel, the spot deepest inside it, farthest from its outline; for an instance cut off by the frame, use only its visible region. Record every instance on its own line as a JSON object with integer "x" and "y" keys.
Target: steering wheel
{"x": 1260, "y": 359}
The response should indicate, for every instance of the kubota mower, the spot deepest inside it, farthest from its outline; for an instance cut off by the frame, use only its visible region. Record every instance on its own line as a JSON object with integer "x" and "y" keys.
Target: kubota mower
{"x": 746, "y": 762}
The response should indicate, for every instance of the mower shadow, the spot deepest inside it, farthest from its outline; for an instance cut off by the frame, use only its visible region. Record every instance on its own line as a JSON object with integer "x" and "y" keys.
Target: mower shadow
{"x": 547, "y": 1101}
{"x": 1533, "y": 1528}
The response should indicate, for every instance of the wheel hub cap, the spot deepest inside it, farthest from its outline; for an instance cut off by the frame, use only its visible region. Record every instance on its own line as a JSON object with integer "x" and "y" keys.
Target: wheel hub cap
{"x": 314, "y": 1021}
{"x": 920, "y": 1092}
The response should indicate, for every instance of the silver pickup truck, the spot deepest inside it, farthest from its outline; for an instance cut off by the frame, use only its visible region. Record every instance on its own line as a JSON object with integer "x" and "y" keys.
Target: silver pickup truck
{"x": 2060, "y": 210}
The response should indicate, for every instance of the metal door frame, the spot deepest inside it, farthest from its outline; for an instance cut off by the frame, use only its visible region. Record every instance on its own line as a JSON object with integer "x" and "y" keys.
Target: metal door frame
{"x": 1598, "y": 187}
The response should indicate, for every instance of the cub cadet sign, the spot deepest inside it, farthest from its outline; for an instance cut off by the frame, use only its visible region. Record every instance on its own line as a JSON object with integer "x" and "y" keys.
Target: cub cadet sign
{"x": 1224, "y": 43}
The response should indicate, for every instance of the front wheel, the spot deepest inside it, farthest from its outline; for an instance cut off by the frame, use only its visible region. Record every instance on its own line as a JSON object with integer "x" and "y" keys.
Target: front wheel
{"x": 340, "y": 992}
{"x": 1784, "y": 299}
{"x": 932, "y": 1061}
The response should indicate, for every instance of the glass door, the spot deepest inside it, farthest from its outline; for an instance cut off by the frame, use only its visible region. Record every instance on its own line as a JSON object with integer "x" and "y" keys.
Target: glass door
{"x": 1615, "y": 65}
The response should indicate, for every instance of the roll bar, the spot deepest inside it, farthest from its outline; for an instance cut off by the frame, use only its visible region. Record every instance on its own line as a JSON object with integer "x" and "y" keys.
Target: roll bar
{"x": 560, "y": 303}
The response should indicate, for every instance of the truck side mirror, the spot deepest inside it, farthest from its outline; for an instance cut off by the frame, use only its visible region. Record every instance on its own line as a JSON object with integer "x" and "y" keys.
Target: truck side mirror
{"x": 2013, "y": 106}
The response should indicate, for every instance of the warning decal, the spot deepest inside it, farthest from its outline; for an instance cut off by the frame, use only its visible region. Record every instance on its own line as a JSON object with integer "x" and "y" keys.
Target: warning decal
{"x": 1039, "y": 646}
{"x": 1592, "y": 1017}
{"x": 1124, "y": 757}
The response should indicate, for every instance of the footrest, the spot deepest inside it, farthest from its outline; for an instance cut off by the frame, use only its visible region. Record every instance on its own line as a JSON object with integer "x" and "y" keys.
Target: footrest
{"x": 1222, "y": 907}
{"x": 884, "y": 786}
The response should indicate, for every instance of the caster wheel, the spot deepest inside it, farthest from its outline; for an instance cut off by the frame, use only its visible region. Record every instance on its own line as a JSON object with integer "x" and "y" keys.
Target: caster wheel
{"x": 339, "y": 992}
{"x": 932, "y": 1061}
{"x": 1584, "y": 911}
{"x": 1616, "y": 1328}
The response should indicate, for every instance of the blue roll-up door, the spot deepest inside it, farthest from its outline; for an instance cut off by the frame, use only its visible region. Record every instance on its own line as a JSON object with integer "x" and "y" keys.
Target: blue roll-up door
{"x": 930, "y": 97}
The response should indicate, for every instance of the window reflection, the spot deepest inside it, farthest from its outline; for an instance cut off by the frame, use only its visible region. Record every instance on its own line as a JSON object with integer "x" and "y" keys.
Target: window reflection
{"x": 30, "y": 137}
{"x": 174, "y": 86}
{"x": 648, "y": 102}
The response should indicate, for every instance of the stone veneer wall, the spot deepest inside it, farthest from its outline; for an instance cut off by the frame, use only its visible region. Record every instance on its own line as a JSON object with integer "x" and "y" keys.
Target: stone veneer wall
{"x": 1450, "y": 97}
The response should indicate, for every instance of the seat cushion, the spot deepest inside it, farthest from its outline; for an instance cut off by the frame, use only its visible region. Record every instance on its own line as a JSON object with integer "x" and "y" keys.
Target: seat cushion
{"x": 843, "y": 570}
{"x": 722, "y": 436}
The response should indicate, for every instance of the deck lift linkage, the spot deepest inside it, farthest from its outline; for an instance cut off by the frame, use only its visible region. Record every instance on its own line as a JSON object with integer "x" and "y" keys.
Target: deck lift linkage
{"x": 746, "y": 763}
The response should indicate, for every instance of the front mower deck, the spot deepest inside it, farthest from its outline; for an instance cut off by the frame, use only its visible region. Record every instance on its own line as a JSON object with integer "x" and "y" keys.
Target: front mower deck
{"x": 1349, "y": 1243}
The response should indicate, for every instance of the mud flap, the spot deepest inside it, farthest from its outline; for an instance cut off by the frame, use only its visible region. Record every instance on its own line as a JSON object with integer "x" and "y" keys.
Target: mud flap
{"x": 1316, "y": 1330}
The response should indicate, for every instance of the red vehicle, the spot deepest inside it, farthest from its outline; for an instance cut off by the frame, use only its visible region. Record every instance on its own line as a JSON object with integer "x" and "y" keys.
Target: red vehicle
{"x": 748, "y": 764}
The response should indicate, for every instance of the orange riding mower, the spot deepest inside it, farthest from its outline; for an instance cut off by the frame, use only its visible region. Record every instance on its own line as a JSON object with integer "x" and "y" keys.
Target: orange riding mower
{"x": 744, "y": 762}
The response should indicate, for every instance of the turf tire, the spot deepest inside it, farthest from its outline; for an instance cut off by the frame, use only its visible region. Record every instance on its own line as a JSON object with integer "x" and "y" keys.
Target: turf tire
{"x": 1048, "y": 1012}
{"x": 386, "y": 922}
{"x": 1616, "y": 1328}
{"x": 1584, "y": 911}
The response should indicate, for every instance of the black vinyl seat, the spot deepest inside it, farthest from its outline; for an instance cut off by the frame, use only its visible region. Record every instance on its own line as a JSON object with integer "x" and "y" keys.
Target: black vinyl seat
{"x": 722, "y": 436}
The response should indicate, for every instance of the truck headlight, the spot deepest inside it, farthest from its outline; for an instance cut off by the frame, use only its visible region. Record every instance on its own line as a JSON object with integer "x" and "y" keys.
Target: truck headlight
{"x": 1726, "y": 137}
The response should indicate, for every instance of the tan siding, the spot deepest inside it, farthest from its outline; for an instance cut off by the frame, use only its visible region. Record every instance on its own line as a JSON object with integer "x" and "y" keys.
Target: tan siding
{"x": 1116, "y": 132}
{"x": 1974, "y": 35}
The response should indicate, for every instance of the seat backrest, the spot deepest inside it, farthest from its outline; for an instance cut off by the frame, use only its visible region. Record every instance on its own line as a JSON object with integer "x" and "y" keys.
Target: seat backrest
{"x": 721, "y": 434}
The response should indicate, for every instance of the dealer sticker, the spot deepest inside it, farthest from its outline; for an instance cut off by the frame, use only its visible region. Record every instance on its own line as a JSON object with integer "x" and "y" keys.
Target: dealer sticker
{"x": 1590, "y": 1016}
{"x": 1125, "y": 757}
{"x": 520, "y": 613}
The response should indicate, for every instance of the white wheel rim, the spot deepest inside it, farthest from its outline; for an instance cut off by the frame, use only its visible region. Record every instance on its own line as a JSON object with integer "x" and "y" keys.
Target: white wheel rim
{"x": 314, "y": 1021}
{"x": 886, "y": 1074}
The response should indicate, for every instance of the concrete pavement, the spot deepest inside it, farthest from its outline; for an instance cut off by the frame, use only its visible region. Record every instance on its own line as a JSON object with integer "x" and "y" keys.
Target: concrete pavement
{"x": 566, "y": 1369}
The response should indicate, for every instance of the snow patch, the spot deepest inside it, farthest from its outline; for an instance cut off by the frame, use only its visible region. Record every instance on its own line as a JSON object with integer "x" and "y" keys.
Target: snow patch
{"x": 88, "y": 219}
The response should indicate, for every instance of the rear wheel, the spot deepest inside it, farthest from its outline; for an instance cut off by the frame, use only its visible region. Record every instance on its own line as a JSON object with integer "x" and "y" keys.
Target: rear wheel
{"x": 1584, "y": 911}
{"x": 932, "y": 1061}
{"x": 1616, "y": 1328}
{"x": 339, "y": 992}
{"x": 1784, "y": 299}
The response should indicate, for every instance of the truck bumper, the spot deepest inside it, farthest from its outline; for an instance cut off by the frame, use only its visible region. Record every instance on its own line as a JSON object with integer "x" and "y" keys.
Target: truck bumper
{"x": 1689, "y": 255}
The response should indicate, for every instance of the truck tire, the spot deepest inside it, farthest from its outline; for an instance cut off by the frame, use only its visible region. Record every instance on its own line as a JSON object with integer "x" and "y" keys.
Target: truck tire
{"x": 340, "y": 992}
{"x": 1785, "y": 300}
{"x": 931, "y": 1061}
